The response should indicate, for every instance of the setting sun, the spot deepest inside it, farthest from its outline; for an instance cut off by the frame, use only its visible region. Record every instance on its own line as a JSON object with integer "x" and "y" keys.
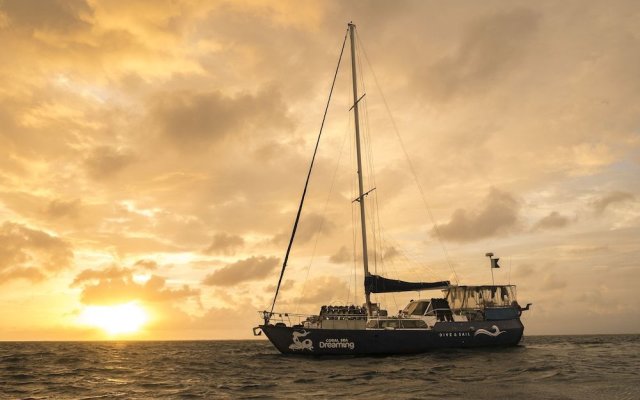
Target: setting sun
{"x": 114, "y": 320}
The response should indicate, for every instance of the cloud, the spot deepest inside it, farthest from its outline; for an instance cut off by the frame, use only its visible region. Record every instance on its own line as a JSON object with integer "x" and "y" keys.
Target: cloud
{"x": 491, "y": 46}
{"x": 324, "y": 290}
{"x": 249, "y": 269}
{"x": 552, "y": 281}
{"x": 116, "y": 285}
{"x": 56, "y": 15}
{"x": 59, "y": 208}
{"x": 286, "y": 285}
{"x": 524, "y": 271}
{"x": 601, "y": 204}
{"x": 149, "y": 265}
{"x": 345, "y": 255}
{"x": 31, "y": 254}
{"x": 391, "y": 253}
{"x": 105, "y": 161}
{"x": 309, "y": 225}
{"x": 138, "y": 130}
{"x": 225, "y": 244}
{"x": 554, "y": 220}
{"x": 342, "y": 256}
{"x": 197, "y": 120}
{"x": 496, "y": 216}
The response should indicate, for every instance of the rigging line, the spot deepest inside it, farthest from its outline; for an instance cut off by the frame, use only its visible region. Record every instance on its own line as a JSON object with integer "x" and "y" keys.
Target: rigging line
{"x": 324, "y": 211}
{"x": 372, "y": 219}
{"x": 374, "y": 214}
{"x": 410, "y": 260}
{"x": 384, "y": 273}
{"x": 371, "y": 182}
{"x": 354, "y": 221}
{"x": 375, "y": 201}
{"x": 354, "y": 242}
{"x": 410, "y": 163}
{"x": 376, "y": 223}
{"x": 348, "y": 136}
{"x": 306, "y": 184}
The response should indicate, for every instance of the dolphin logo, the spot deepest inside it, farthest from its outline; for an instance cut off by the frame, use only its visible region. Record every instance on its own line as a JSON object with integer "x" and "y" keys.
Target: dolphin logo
{"x": 496, "y": 332}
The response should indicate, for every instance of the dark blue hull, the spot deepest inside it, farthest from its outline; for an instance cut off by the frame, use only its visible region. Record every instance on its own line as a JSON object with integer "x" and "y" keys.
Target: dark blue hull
{"x": 315, "y": 341}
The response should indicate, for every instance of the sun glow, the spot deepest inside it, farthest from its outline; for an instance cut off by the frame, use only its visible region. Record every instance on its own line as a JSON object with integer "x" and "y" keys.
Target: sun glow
{"x": 115, "y": 320}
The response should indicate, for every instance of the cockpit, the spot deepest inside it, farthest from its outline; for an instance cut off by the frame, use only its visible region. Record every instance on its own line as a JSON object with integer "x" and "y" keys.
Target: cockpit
{"x": 438, "y": 308}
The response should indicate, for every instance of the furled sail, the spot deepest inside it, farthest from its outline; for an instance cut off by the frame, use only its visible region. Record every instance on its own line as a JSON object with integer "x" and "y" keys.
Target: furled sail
{"x": 378, "y": 284}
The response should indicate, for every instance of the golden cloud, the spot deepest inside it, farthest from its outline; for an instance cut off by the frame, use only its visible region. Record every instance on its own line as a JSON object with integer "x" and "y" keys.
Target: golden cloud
{"x": 31, "y": 254}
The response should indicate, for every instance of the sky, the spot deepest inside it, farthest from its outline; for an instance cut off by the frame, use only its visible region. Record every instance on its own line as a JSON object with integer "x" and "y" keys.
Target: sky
{"x": 153, "y": 153}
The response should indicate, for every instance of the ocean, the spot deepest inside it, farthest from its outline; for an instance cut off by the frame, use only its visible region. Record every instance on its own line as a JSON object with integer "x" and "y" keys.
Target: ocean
{"x": 542, "y": 367}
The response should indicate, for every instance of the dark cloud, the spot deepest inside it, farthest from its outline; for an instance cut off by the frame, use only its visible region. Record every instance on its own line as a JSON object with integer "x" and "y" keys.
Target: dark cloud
{"x": 215, "y": 322}
{"x": 249, "y": 269}
{"x": 31, "y": 254}
{"x": 497, "y": 215}
{"x": 342, "y": 256}
{"x": 552, "y": 281}
{"x": 345, "y": 255}
{"x": 308, "y": 227}
{"x": 54, "y": 15}
{"x": 524, "y": 271}
{"x": 287, "y": 284}
{"x": 601, "y": 204}
{"x": 197, "y": 120}
{"x": 225, "y": 244}
{"x": 114, "y": 285}
{"x": 554, "y": 220}
{"x": 582, "y": 250}
{"x": 59, "y": 208}
{"x": 149, "y": 265}
{"x": 491, "y": 46}
{"x": 27, "y": 273}
{"x": 105, "y": 161}
{"x": 390, "y": 253}
{"x": 138, "y": 244}
{"x": 324, "y": 290}
{"x": 58, "y": 214}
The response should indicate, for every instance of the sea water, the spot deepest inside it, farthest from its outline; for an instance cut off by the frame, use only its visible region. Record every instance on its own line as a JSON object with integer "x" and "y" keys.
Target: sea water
{"x": 542, "y": 367}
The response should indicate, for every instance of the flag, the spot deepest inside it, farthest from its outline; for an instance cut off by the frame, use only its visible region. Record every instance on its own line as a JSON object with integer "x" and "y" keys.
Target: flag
{"x": 494, "y": 263}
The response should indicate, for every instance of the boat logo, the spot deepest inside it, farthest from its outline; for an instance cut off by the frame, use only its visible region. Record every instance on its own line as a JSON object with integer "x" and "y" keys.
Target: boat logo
{"x": 306, "y": 344}
{"x": 496, "y": 332}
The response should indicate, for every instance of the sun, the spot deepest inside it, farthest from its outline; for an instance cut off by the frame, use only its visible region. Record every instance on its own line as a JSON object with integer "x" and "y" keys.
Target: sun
{"x": 115, "y": 320}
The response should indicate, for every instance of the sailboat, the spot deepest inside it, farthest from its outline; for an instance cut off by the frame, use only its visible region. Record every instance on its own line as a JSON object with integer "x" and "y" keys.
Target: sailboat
{"x": 459, "y": 317}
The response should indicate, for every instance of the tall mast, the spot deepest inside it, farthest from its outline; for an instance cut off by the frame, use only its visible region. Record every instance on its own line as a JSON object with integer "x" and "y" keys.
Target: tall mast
{"x": 365, "y": 254}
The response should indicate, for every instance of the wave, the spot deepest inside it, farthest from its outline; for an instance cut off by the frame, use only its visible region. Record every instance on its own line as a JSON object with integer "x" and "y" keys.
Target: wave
{"x": 545, "y": 367}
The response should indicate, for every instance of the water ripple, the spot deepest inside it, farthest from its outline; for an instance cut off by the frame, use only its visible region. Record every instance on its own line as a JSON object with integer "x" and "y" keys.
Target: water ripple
{"x": 560, "y": 367}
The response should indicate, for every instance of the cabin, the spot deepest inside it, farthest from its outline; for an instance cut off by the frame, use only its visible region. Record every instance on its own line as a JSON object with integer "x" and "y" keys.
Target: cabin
{"x": 459, "y": 304}
{"x": 487, "y": 302}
